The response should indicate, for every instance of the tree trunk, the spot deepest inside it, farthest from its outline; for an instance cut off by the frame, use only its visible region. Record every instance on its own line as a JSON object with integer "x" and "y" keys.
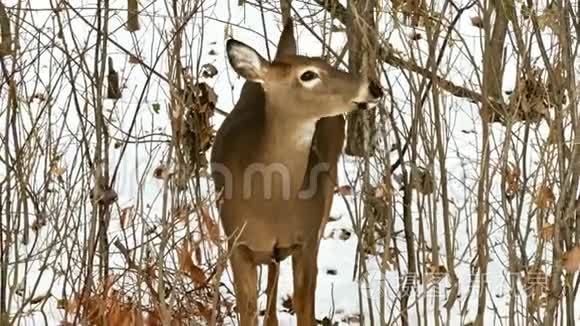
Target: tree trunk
{"x": 491, "y": 88}
{"x": 362, "y": 46}
{"x": 132, "y": 16}
{"x": 493, "y": 60}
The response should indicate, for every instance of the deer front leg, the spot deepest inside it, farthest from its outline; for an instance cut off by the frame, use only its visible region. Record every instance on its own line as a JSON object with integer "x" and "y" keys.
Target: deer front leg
{"x": 246, "y": 287}
{"x": 305, "y": 270}
{"x": 272, "y": 291}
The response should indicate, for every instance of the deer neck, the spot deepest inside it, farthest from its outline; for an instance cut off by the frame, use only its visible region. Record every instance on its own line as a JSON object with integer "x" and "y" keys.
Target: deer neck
{"x": 287, "y": 142}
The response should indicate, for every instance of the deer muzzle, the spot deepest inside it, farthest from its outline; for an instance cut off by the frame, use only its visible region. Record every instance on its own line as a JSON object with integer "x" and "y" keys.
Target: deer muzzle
{"x": 369, "y": 96}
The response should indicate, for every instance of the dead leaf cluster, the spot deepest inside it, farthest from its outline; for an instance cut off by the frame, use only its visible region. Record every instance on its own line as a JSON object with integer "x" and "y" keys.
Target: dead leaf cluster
{"x": 187, "y": 266}
{"x": 547, "y": 232}
{"x": 549, "y": 18}
{"x": 384, "y": 192}
{"x": 57, "y": 170}
{"x": 212, "y": 229}
{"x": 571, "y": 260}
{"x": 109, "y": 305}
{"x": 200, "y": 101}
{"x": 422, "y": 180}
{"x": 390, "y": 262}
{"x": 104, "y": 195}
{"x": 208, "y": 70}
{"x": 288, "y": 304}
{"x": 126, "y": 216}
{"x": 435, "y": 273}
{"x": 192, "y": 108}
{"x": 415, "y": 12}
{"x": 531, "y": 99}
{"x": 41, "y": 97}
{"x": 162, "y": 172}
{"x": 39, "y": 222}
{"x": 111, "y": 310}
{"x": 181, "y": 214}
{"x": 544, "y": 197}
{"x": 511, "y": 181}
{"x": 341, "y": 234}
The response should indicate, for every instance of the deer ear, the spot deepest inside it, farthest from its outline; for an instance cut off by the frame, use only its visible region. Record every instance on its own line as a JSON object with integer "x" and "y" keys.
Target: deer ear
{"x": 246, "y": 61}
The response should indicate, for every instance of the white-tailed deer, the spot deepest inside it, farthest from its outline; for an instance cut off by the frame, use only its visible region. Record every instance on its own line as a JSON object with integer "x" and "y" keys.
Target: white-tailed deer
{"x": 275, "y": 162}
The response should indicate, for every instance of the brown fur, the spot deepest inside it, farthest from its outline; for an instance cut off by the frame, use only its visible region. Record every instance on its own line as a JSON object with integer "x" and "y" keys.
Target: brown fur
{"x": 260, "y": 129}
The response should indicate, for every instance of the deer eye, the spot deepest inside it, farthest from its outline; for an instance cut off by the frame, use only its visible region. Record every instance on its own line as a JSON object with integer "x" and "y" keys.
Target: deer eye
{"x": 308, "y": 76}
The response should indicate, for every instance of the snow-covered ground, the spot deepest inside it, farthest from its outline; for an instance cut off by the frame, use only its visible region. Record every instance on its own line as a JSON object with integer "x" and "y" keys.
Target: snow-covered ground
{"x": 337, "y": 291}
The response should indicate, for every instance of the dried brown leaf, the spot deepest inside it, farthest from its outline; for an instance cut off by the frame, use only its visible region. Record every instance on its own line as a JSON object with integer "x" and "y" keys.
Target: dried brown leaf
{"x": 329, "y": 236}
{"x": 547, "y": 232}
{"x": 104, "y": 195}
{"x": 41, "y": 97}
{"x": 161, "y": 172}
{"x": 197, "y": 275}
{"x": 108, "y": 197}
{"x": 212, "y": 228}
{"x": 208, "y": 70}
{"x": 344, "y": 234}
{"x": 93, "y": 310}
{"x": 345, "y": 190}
{"x": 544, "y": 197}
{"x": 351, "y": 319}
{"x": 435, "y": 273}
{"x": 331, "y": 271}
{"x": 332, "y": 218}
{"x": 126, "y": 216}
{"x": 477, "y": 21}
{"x": 181, "y": 214}
{"x": 40, "y": 298}
{"x": 133, "y": 59}
{"x": 553, "y": 135}
{"x": 205, "y": 94}
{"x": 153, "y": 319}
{"x": 512, "y": 180}
{"x": 62, "y": 303}
{"x": 57, "y": 170}
{"x": 550, "y": 18}
{"x": 288, "y": 304}
{"x": 571, "y": 260}
{"x": 187, "y": 266}
{"x": 384, "y": 192}
{"x": 38, "y": 223}
{"x": 414, "y": 36}
{"x": 203, "y": 310}
{"x": 118, "y": 314}
{"x": 423, "y": 180}
{"x": 391, "y": 261}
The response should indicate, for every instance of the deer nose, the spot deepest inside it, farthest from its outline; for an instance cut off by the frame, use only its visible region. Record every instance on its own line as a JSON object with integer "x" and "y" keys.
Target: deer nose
{"x": 375, "y": 90}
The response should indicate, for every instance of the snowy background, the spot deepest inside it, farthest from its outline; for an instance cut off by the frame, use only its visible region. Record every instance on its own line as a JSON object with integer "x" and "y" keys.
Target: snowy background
{"x": 43, "y": 266}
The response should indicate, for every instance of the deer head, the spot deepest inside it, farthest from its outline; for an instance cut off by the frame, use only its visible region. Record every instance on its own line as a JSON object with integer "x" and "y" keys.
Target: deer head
{"x": 302, "y": 87}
